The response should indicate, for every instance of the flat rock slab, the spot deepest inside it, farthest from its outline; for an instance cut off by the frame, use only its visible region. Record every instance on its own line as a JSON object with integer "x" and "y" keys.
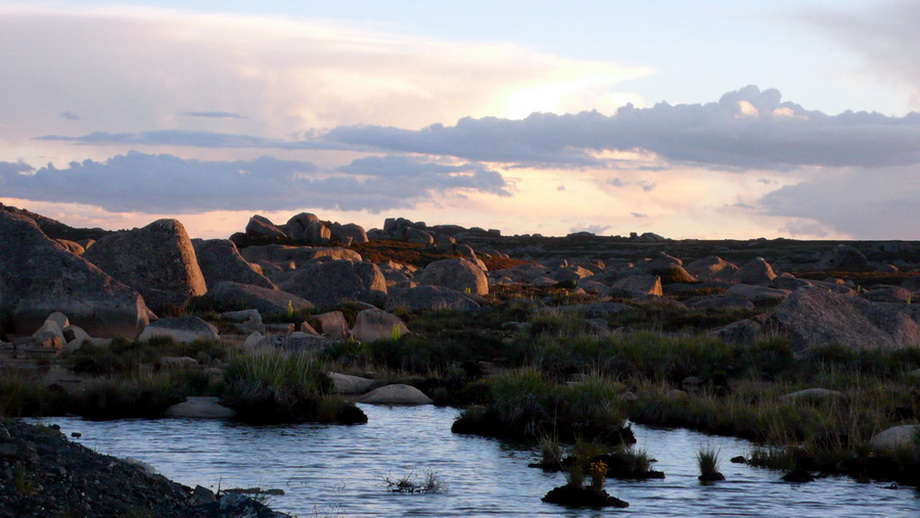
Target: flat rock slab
{"x": 180, "y": 329}
{"x": 346, "y": 384}
{"x": 397, "y": 394}
{"x": 896, "y": 437}
{"x": 814, "y": 394}
{"x": 203, "y": 407}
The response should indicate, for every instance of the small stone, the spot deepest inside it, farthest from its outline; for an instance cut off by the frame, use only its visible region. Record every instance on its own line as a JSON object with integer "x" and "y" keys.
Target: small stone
{"x": 202, "y": 496}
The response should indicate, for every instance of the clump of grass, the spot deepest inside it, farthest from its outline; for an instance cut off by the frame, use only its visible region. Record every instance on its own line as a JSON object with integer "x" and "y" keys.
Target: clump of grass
{"x": 524, "y": 404}
{"x": 773, "y": 457}
{"x": 708, "y": 460}
{"x": 550, "y": 453}
{"x": 274, "y": 386}
{"x": 24, "y": 480}
{"x": 430, "y": 482}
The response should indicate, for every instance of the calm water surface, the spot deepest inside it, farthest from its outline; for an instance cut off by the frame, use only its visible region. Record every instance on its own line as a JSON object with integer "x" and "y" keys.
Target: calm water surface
{"x": 338, "y": 471}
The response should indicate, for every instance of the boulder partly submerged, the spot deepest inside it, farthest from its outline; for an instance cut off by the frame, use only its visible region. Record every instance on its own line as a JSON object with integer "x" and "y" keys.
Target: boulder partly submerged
{"x": 397, "y": 394}
{"x": 39, "y": 277}
{"x": 200, "y": 407}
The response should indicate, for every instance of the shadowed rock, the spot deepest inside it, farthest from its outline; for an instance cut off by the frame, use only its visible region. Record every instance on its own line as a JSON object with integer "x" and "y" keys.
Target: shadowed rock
{"x": 428, "y": 297}
{"x": 757, "y": 271}
{"x": 180, "y": 330}
{"x": 39, "y": 277}
{"x": 260, "y": 227}
{"x": 220, "y": 261}
{"x": 349, "y": 231}
{"x": 333, "y": 282}
{"x": 201, "y": 407}
{"x": 372, "y": 325}
{"x": 307, "y": 228}
{"x": 346, "y": 384}
{"x": 896, "y": 437}
{"x": 157, "y": 260}
{"x": 397, "y": 394}
{"x": 232, "y": 295}
{"x": 639, "y": 284}
{"x": 814, "y": 316}
{"x": 458, "y": 274}
{"x": 842, "y": 257}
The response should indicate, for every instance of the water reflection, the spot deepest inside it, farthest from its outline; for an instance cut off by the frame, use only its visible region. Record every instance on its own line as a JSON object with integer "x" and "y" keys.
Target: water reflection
{"x": 339, "y": 471}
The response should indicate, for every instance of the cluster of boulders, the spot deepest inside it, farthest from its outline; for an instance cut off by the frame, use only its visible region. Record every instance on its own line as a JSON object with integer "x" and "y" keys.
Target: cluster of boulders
{"x": 303, "y": 228}
{"x": 118, "y": 284}
{"x": 56, "y": 295}
{"x": 808, "y": 312}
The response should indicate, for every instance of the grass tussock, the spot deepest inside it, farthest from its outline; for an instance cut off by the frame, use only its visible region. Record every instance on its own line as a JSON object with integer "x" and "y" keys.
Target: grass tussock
{"x": 707, "y": 458}
{"x": 275, "y": 386}
{"x": 523, "y": 403}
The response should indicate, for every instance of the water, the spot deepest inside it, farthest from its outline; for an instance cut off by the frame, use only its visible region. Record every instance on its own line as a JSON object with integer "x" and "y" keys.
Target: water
{"x": 338, "y": 471}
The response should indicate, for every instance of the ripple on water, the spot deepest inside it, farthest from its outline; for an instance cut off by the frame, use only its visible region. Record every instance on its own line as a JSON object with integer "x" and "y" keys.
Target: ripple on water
{"x": 339, "y": 470}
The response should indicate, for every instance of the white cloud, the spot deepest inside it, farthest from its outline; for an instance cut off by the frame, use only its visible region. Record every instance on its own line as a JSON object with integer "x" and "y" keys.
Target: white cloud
{"x": 127, "y": 69}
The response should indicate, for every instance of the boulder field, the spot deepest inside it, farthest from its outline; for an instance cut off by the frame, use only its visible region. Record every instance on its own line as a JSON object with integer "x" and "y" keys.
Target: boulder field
{"x": 133, "y": 283}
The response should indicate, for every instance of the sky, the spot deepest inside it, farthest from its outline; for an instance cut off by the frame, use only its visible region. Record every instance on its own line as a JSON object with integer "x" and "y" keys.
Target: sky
{"x": 698, "y": 119}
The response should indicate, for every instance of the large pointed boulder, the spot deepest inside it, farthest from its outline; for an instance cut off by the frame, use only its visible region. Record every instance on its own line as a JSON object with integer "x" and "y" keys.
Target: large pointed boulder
{"x": 38, "y": 277}
{"x": 157, "y": 260}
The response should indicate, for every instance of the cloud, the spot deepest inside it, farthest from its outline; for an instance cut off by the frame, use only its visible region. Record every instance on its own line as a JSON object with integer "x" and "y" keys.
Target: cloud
{"x": 69, "y": 115}
{"x": 745, "y": 129}
{"x": 144, "y": 68}
{"x": 178, "y": 137}
{"x": 215, "y": 115}
{"x": 138, "y": 182}
{"x": 619, "y": 183}
{"x": 11, "y": 168}
{"x": 638, "y": 215}
{"x": 861, "y": 202}
{"x": 884, "y": 34}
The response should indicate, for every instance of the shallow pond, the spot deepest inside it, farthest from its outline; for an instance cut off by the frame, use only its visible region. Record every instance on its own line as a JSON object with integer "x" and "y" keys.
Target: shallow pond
{"x": 339, "y": 471}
